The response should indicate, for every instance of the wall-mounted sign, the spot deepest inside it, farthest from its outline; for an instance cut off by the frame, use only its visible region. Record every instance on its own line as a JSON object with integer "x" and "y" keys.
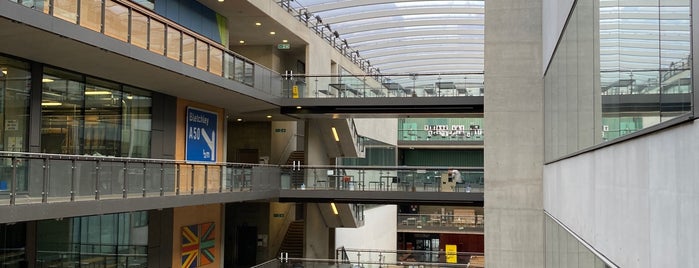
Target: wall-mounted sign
{"x": 283, "y": 46}
{"x": 451, "y": 253}
{"x": 454, "y": 130}
{"x": 200, "y": 145}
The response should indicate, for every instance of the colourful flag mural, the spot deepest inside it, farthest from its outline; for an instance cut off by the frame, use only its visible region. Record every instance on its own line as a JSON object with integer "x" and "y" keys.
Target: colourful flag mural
{"x": 198, "y": 245}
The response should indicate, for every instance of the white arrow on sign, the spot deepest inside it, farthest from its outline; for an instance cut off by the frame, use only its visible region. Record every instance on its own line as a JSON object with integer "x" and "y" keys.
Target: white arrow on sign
{"x": 210, "y": 142}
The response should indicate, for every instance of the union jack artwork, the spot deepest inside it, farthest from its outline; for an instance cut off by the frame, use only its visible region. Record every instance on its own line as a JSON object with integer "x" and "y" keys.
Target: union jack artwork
{"x": 198, "y": 245}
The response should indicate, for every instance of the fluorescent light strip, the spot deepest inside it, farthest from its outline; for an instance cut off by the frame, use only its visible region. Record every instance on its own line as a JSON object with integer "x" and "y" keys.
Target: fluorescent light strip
{"x": 98, "y": 92}
{"x": 51, "y": 104}
{"x": 337, "y": 138}
{"x": 334, "y": 208}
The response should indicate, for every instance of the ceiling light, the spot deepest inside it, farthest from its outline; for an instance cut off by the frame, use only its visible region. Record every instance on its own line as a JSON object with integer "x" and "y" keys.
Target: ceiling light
{"x": 98, "y": 92}
{"x": 285, "y": 41}
{"x": 220, "y": 0}
{"x": 47, "y": 80}
{"x": 51, "y": 103}
{"x": 129, "y": 97}
{"x": 239, "y": 120}
{"x": 334, "y": 208}
{"x": 269, "y": 116}
{"x": 241, "y": 41}
{"x": 298, "y": 107}
{"x": 4, "y": 71}
{"x": 337, "y": 138}
{"x": 272, "y": 33}
{"x": 258, "y": 24}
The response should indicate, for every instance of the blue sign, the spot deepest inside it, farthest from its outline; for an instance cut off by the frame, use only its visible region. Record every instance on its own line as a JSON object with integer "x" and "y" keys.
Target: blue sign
{"x": 201, "y": 135}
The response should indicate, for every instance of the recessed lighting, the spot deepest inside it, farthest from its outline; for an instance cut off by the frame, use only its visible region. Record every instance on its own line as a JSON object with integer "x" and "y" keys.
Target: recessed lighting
{"x": 298, "y": 107}
{"x": 241, "y": 41}
{"x": 258, "y": 24}
{"x": 4, "y": 71}
{"x": 47, "y": 80}
{"x": 220, "y": 0}
{"x": 239, "y": 120}
{"x": 272, "y": 33}
{"x": 285, "y": 41}
{"x": 269, "y": 116}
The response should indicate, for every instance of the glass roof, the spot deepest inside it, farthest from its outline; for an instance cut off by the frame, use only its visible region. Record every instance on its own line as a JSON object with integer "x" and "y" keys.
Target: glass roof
{"x": 407, "y": 36}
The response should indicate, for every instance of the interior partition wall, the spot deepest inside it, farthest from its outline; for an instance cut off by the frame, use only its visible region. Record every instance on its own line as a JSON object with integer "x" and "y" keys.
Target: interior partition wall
{"x": 619, "y": 67}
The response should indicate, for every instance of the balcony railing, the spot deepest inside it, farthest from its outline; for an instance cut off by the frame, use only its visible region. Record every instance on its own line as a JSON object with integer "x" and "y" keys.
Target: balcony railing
{"x": 376, "y": 86}
{"x": 141, "y": 27}
{"x": 420, "y": 258}
{"x": 458, "y": 220}
{"x": 27, "y": 178}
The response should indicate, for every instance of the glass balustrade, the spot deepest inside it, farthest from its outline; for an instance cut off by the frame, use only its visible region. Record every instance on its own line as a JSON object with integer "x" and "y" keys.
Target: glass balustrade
{"x": 28, "y": 178}
{"x": 376, "y": 86}
{"x": 139, "y": 26}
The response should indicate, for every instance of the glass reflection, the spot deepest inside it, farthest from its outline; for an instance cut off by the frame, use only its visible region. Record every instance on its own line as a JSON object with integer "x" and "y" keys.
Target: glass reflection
{"x": 627, "y": 71}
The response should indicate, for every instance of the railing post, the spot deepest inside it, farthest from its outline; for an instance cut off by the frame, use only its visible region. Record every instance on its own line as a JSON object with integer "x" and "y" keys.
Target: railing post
{"x": 143, "y": 185}
{"x": 177, "y": 177}
{"x": 206, "y": 179}
{"x": 191, "y": 181}
{"x": 126, "y": 182}
{"x": 97, "y": 180}
{"x": 72, "y": 180}
{"x": 223, "y": 178}
{"x": 13, "y": 182}
{"x": 46, "y": 181}
{"x": 162, "y": 178}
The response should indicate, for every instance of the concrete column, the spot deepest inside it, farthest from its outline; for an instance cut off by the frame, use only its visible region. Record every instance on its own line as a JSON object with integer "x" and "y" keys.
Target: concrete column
{"x": 514, "y": 219}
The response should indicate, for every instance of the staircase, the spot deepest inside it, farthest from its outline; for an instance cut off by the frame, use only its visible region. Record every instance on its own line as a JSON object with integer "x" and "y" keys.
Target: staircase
{"x": 297, "y": 178}
{"x": 293, "y": 240}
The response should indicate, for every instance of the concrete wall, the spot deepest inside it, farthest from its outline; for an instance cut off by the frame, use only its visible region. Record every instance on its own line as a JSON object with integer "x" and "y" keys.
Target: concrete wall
{"x": 248, "y": 135}
{"x": 637, "y": 202}
{"x": 379, "y": 232}
{"x": 283, "y": 141}
{"x": 267, "y": 56}
{"x": 317, "y": 234}
{"x": 381, "y": 129}
{"x": 514, "y": 141}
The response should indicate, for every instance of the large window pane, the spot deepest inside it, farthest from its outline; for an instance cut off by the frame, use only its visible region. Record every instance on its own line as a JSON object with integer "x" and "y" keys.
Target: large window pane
{"x": 91, "y": 14}
{"x": 61, "y": 112}
{"x": 157, "y": 37}
{"x": 102, "y": 118}
{"x": 116, "y": 20}
{"x": 625, "y": 71}
{"x": 136, "y": 123}
{"x": 14, "y": 112}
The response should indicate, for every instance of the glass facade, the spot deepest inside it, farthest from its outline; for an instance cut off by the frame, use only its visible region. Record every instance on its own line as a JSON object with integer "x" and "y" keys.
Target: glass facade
{"x": 620, "y": 66}
{"x": 118, "y": 240}
{"x": 440, "y": 129}
{"x": 85, "y": 115}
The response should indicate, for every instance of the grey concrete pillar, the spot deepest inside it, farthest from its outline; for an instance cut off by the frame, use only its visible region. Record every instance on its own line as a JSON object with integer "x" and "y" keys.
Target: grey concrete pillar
{"x": 514, "y": 153}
